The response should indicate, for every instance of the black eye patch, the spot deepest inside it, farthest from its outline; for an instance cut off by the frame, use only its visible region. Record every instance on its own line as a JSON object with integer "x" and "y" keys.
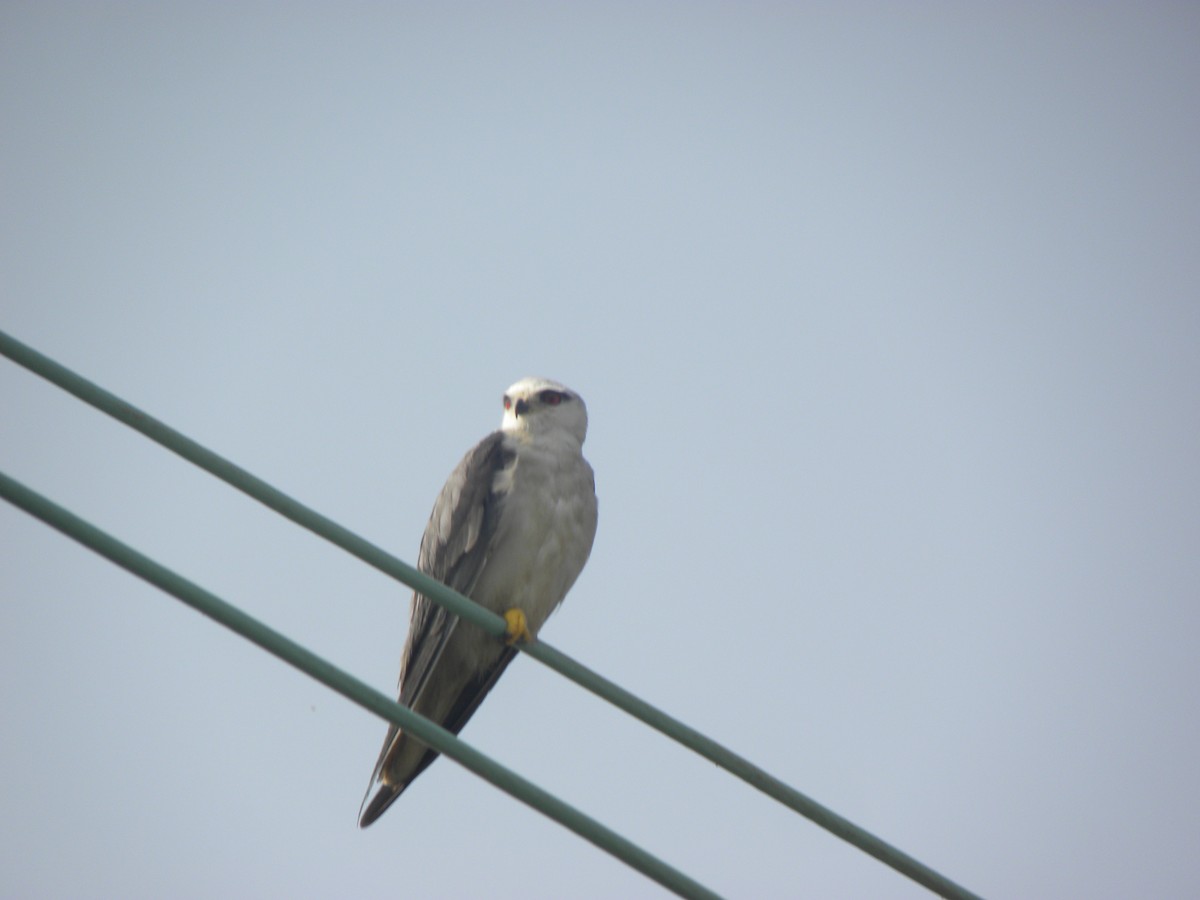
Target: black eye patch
{"x": 552, "y": 398}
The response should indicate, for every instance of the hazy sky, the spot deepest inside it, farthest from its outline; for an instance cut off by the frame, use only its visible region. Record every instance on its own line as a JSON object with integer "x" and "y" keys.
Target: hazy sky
{"x": 888, "y": 321}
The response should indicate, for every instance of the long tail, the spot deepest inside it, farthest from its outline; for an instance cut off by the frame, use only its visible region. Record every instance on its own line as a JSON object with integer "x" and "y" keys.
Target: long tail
{"x": 470, "y": 696}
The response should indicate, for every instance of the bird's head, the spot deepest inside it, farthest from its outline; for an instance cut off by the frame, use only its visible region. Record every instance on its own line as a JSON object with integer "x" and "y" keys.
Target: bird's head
{"x": 538, "y": 406}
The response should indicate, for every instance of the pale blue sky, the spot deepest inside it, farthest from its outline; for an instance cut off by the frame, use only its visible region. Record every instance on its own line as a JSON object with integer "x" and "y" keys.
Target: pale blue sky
{"x": 887, "y": 317}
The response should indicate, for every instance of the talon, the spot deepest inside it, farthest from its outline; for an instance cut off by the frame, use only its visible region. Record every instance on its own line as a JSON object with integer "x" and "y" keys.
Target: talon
{"x": 516, "y": 628}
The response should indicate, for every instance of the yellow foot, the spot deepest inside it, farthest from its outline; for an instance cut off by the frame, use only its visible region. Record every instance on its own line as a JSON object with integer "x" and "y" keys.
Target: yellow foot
{"x": 517, "y": 629}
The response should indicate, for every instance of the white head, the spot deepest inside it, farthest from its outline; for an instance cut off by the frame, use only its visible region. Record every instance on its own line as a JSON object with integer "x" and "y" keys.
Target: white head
{"x": 538, "y": 406}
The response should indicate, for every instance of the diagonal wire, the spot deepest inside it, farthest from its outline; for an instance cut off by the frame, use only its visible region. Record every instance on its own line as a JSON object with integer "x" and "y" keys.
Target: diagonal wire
{"x": 465, "y": 608}
{"x": 349, "y": 687}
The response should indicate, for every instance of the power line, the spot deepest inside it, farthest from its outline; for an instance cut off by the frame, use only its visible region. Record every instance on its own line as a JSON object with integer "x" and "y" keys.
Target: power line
{"x": 348, "y": 686}
{"x": 465, "y": 608}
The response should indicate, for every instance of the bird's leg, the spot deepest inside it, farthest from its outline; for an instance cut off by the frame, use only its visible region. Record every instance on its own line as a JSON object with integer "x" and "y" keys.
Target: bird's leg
{"x": 516, "y": 628}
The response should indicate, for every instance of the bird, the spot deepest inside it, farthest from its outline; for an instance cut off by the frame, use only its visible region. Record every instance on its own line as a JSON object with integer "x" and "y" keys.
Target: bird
{"x": 512, "y": 529}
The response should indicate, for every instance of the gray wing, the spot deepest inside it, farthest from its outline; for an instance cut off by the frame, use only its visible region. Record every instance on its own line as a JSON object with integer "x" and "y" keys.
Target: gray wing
{"x": 454, "y": 550}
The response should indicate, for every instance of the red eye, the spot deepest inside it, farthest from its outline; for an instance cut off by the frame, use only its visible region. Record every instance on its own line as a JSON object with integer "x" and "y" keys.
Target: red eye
{"x": 507, "y": 402}
{"x": 551, "y": 398}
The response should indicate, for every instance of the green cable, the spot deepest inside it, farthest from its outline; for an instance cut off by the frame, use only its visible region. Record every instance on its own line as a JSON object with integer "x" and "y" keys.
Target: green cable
{"x": 465, "y": 608}
{"x": 349, "y": 687}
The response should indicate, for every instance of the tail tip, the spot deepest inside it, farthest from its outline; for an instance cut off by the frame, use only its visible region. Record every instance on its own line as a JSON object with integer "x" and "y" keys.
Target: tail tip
{"x": 377, "y": 806}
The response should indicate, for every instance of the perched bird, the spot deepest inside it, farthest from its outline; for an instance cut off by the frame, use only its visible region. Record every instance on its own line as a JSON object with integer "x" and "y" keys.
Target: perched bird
{"x": 511, "y": 529}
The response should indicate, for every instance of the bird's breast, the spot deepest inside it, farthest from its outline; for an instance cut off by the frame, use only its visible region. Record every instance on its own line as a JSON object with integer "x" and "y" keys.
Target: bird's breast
{"x": 544, "y": 534}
